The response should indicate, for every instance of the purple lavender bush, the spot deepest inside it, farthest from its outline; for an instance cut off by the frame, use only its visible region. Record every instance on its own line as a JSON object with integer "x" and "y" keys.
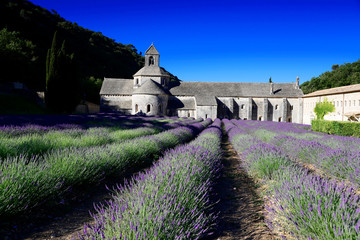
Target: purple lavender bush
{"x": 168, "y": 201}
{"x": 39, "y": 143}
{"x": 303, "y": 204}
{"x": 310, "y": 207}
{"x": 25, "y": 184}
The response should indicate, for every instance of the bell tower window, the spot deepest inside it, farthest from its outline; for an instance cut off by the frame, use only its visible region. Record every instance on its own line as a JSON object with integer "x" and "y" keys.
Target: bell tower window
{"x": 151, "y": 60}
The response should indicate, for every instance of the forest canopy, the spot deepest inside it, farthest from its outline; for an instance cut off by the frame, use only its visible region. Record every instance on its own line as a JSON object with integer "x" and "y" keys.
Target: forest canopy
{"x": 31, "y": 28}
{"x": 346, "y": 74}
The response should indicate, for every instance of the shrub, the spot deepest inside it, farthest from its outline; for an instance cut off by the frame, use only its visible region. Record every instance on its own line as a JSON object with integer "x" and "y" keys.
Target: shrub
{"x": 351, "y": 129}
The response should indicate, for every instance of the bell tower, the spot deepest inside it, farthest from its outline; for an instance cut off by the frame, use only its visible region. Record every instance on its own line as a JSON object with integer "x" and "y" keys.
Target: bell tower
{"x": 152, "y": 57}
{"x": 151, "y": 70}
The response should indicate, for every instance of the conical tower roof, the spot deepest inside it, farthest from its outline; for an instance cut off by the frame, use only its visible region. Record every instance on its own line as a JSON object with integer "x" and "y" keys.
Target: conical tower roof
{"x": 152, "y": 50}
{"x": 150, "y": 87}
{"x": 154, "y": 71}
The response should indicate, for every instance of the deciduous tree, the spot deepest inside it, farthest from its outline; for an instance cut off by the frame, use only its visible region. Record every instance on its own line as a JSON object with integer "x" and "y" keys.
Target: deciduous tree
{"x": 323, "y": 108}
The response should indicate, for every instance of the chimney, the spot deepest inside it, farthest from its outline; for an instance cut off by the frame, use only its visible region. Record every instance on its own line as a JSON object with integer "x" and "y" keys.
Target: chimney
{"x": 271, "y": 88}
{"x": 297, "y": 83}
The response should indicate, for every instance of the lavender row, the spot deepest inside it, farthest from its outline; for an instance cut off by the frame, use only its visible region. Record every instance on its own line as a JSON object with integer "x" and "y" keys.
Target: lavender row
{"x": 296, "y": 131}
{"x": 25, "y": 184}
{"x": 32, "y": 144}
{"x": 20, "y": 125}
{"x": 300, "y": 203}
{"x": 35, "y": 144}
{"x": 336, "y": 156}
{"x": 168, "y": 201}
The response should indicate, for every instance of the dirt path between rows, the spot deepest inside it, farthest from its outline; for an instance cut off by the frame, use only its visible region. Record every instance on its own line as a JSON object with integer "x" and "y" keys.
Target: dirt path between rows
{"x": 241, "y": 209}
{"x": 65, "y": 227}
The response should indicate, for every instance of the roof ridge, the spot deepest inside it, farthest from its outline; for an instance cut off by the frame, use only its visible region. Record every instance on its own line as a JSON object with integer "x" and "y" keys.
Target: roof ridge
{"x": 335, "y": 90}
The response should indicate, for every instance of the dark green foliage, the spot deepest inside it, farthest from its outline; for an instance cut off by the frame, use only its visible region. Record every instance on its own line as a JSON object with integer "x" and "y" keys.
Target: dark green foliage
{"x": 62, "y": 82}
{"x": 16, "y": 53}
{"x": 98, "y": 56}
{"x": 323, "y": 108}
{"x": 19, "y": 105}
{"x": 351, "y": 129}
{"x": 91, "y": 87}
{"x": 346, "y": 74}
{"x": 270, "y": 81}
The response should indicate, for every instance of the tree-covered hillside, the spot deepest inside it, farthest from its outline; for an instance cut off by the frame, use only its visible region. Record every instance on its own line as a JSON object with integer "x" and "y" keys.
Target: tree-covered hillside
{"x": 26, "y": 33}
{"x": 346, "y": 74}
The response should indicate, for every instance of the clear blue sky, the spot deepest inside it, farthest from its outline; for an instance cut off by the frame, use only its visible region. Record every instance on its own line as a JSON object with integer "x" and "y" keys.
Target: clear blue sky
{"x": 245, "y": 41}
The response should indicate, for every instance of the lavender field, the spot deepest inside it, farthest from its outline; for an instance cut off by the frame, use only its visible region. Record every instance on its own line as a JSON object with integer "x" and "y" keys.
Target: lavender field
{"x": 311, "y": 179}
{"x": 309, "y": 182}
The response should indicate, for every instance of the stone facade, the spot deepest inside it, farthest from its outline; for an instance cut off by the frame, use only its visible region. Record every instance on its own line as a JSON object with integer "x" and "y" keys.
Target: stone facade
{"x": 150, "y": 92}
{"x": 345, "y": 99}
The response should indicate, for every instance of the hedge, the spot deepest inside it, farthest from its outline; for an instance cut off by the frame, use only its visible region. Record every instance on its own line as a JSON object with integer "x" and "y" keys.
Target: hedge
{"x": 351, "y": 129}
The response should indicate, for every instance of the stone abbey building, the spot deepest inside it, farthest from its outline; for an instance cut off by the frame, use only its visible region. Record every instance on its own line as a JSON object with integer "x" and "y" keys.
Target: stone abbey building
{"x": 150, "y": 92}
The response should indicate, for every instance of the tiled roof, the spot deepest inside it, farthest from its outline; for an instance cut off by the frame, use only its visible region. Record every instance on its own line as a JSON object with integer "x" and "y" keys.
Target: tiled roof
{"x": 152, "y": 50}
{"x": 205, "y": 92}
{"x": 188, "y": 103}
{"x": 117, "y": 86}
{"x": 337, "y": 90}
{"x": 152, "y": 70}
{"x": 150, "y": 87}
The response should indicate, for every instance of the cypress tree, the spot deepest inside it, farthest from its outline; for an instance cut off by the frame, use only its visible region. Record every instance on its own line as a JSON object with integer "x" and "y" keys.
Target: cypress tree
{"x": 61, "y": 79}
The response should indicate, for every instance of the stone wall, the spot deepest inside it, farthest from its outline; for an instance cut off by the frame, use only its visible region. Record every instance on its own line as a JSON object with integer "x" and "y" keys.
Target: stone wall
{"x": 344, "y": 103}
{"x": 206, "y": 112}
{"x": 149, "y": 104}
{"x": 186, "y": 113}
{"x": 115, "y": 103}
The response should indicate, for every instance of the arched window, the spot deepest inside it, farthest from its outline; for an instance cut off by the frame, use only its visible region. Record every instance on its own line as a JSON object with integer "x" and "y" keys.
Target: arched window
{"x": 151, "y": 60}
{"x": 137, "y": 81}
{"x": 136, "y": 108}
{"x": 260, "y": 118}
{"x": 276, "y": 107}
{"x": 148, "y": 108}
{"x": 206, "y": 116}
{"x": 242, "y": 106}
{"x": 289, "y": 119}
{"x": 280, "y": 119}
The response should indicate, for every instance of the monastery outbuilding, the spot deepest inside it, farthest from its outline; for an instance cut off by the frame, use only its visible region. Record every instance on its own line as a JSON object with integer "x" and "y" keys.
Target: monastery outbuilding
{"x": 150, "y": 92}
{"x": 346, "y": 100}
